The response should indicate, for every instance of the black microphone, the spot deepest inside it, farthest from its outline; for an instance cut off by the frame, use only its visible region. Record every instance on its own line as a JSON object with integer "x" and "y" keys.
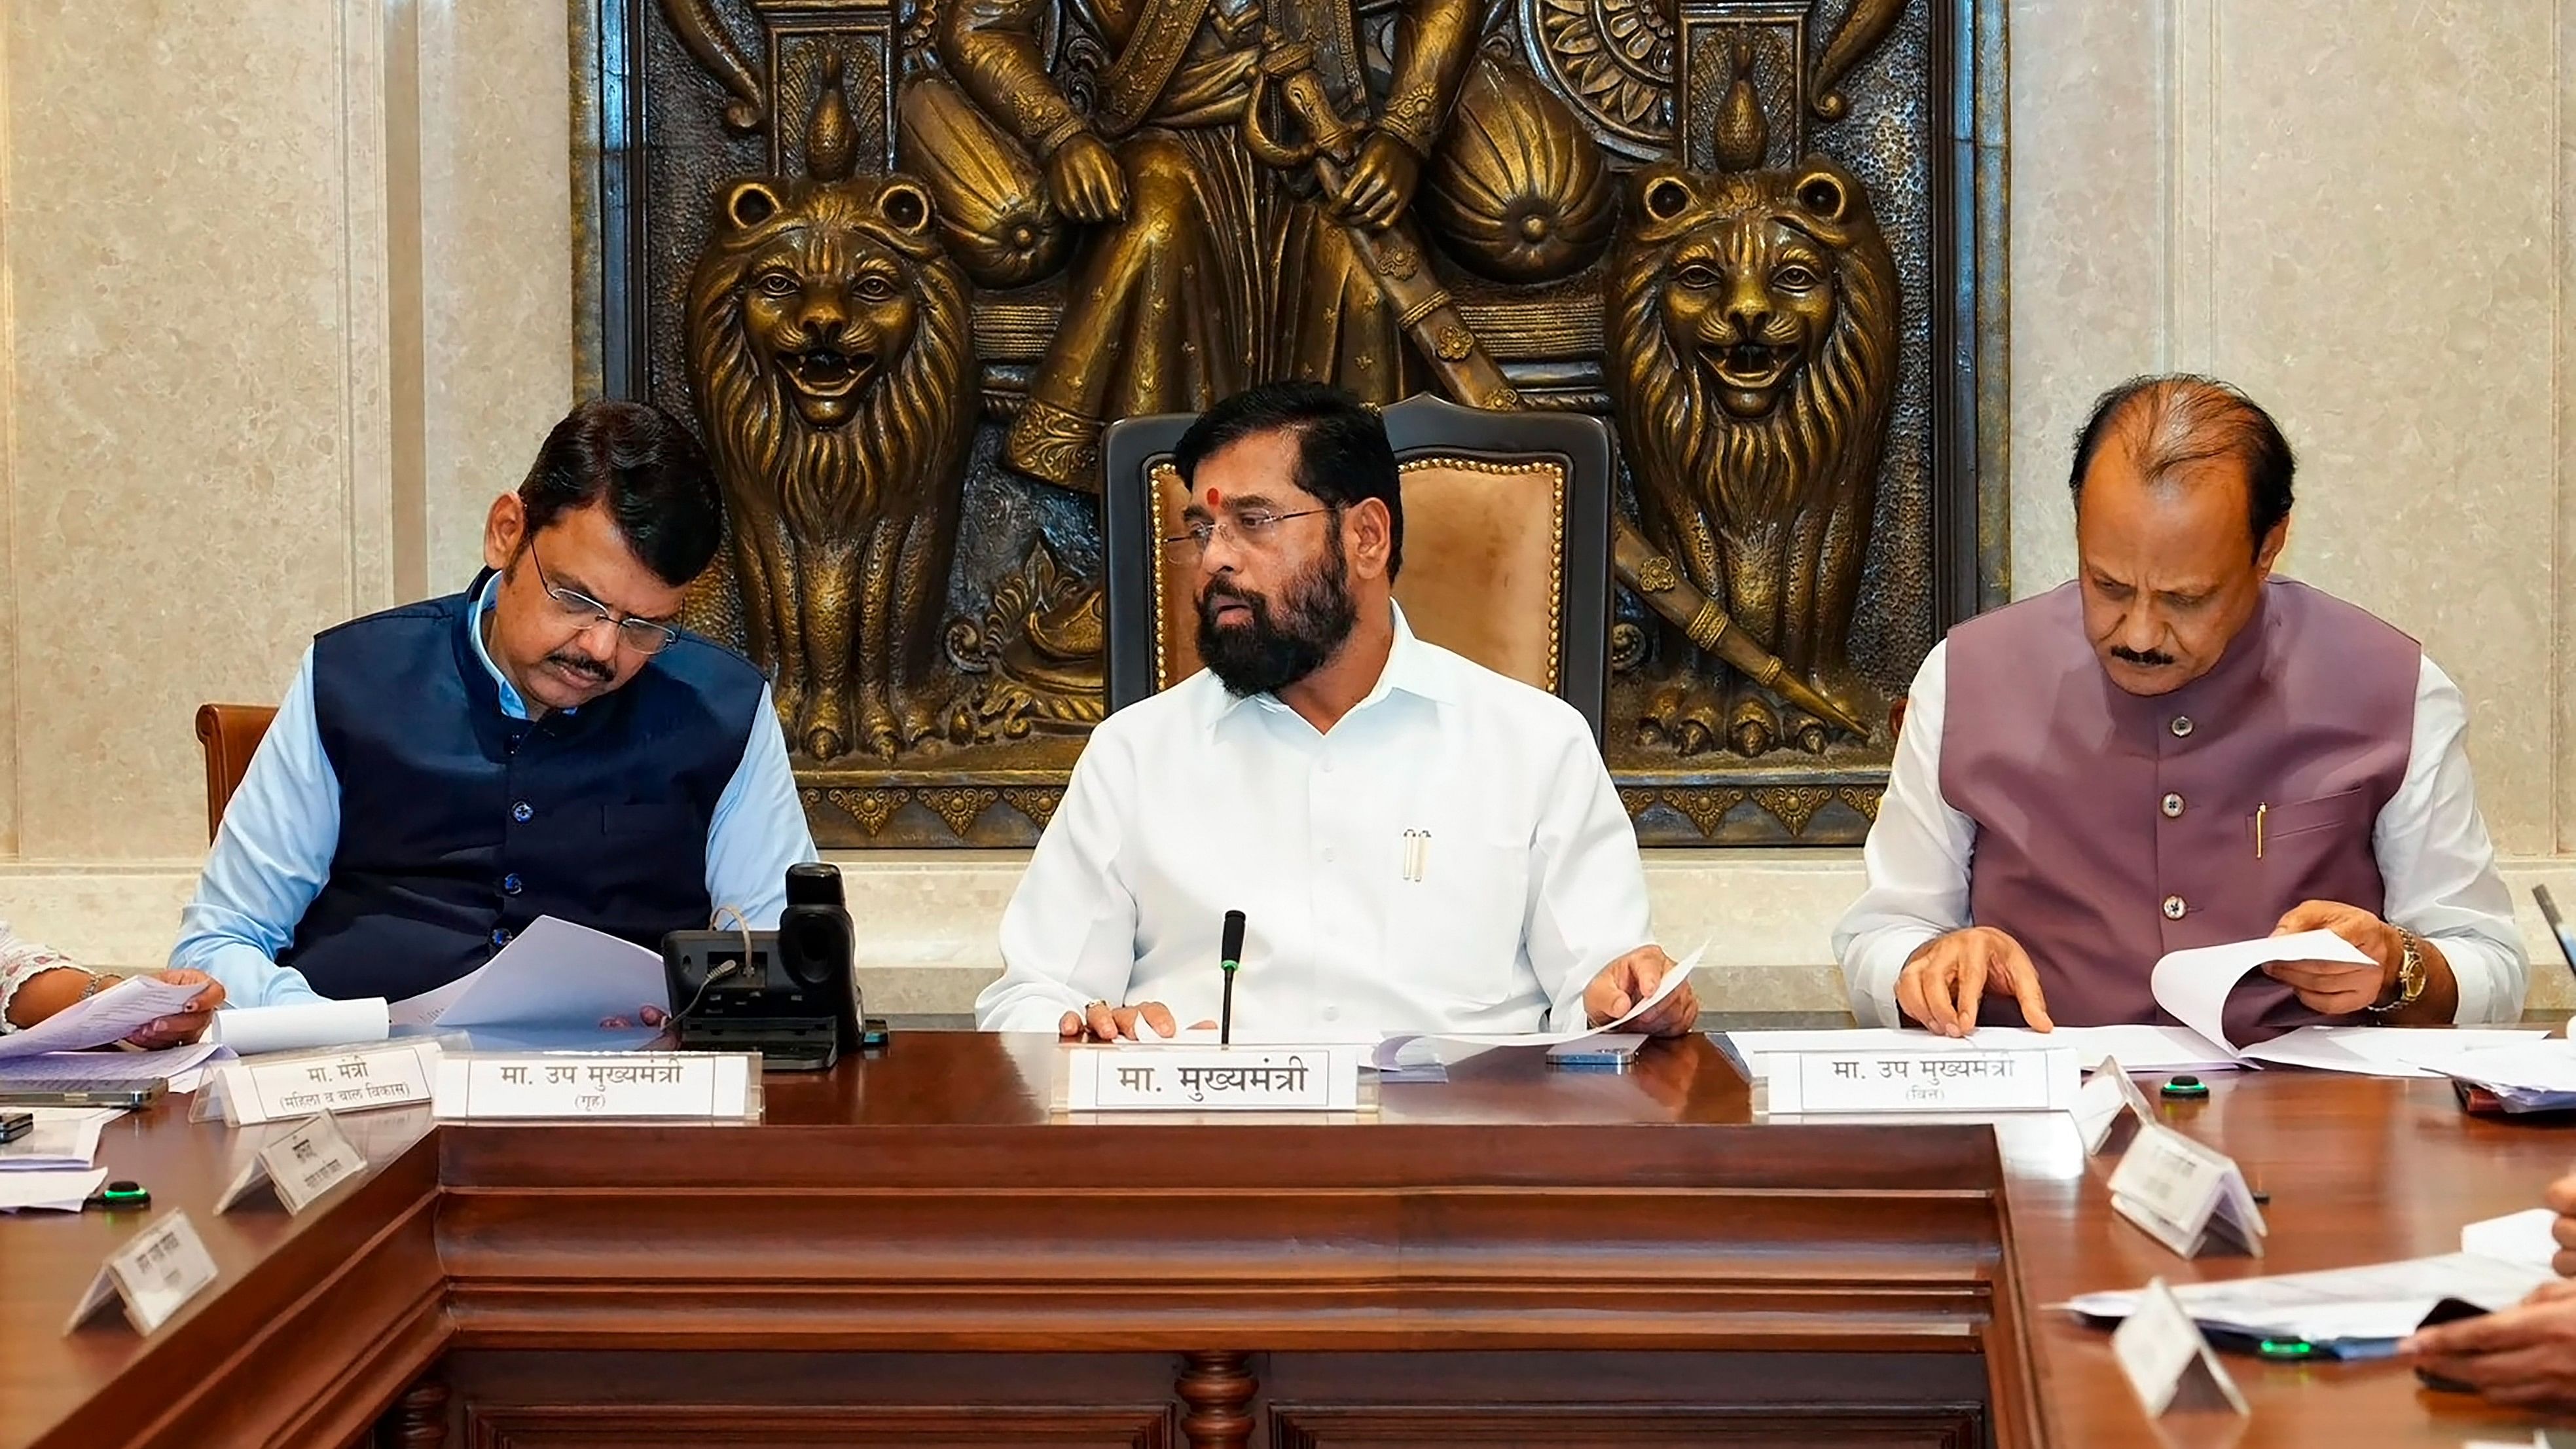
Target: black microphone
{"x": 1229, "y": 956}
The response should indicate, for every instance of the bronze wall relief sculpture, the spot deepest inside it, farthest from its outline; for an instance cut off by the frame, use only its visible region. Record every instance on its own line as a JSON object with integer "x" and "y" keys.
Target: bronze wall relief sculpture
{"x": 901, "y": 262}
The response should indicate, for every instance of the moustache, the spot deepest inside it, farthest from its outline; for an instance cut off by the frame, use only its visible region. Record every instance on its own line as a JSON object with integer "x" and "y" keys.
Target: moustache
{"x": 2148, "y": 658}
{"x": 583, "y": 665}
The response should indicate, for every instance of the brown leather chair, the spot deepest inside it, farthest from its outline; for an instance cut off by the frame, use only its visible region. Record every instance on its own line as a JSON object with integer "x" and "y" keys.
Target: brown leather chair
{"x": 1506, "y": 546}
{"x": 231, "y": 734}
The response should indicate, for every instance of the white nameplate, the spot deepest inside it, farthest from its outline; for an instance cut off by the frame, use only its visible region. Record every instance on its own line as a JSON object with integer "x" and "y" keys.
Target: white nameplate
{"x": 278, "y": 1088}
{"x": 2185, "y": 1195}
{"x": 1972, "y": 1079}
{"x": 155, "y": 1273}
{"x": 2108, "y": 1096}
{"x": 530, "y": 1086}
{"x": 1214, "y": 1079}
{"x": 301, "y": 1164}
{"x": 2163, "y": 1353}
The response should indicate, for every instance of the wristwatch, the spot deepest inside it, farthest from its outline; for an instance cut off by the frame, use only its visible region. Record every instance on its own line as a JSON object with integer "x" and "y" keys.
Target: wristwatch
{"x": 2410, "y": 976}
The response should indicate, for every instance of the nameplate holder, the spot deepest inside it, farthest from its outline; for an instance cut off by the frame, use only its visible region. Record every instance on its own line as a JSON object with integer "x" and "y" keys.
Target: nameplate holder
{"x": 355, "y": 1079}
{"x": 1971, "y": 1079}
{"x": 2186, "y": 1196}
{"x": 597, "y": 1086}
{"x": 1214, "y": 1079}
{"x": 2167, "y": 1359}
{"x": 301, "y": 1164}
{"x": 2108, "y": 1098}
{"x": 154, "y": 1274}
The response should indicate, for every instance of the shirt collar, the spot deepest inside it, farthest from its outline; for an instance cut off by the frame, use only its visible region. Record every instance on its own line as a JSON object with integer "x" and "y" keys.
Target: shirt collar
{"x": 1412, "y": 667}
{"x": 511, "y": 704}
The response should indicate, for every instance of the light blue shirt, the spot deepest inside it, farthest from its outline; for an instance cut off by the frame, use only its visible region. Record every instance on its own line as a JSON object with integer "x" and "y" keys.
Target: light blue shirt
{"x": 273, "y": 852}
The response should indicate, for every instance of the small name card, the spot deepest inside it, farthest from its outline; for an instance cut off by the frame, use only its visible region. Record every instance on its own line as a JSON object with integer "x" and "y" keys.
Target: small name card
{"x": 2185, "y": 1195}
{"x": 2167, "y": 1360}
{"x": 279, "y": 1088}
{"x": 2108, "y": 1096}
{"x": 1974, "y": 1079}
{"x": 1214, "y": 1079}
{"x": 300, "y": 1164}
{"x": 662, "y": 1086}
{"x": 154, "y": 1273}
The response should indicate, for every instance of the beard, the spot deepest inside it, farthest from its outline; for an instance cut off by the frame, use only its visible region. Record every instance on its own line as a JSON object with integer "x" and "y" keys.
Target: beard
{"x": 1285, "y": 643}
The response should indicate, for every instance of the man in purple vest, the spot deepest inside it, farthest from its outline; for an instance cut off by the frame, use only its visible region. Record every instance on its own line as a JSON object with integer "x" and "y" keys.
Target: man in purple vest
{"x": 2178, "y": 750}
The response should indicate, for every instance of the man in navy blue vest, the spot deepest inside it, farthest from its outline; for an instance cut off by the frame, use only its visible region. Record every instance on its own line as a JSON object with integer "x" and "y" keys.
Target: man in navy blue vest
{"x": 546, "y": 743}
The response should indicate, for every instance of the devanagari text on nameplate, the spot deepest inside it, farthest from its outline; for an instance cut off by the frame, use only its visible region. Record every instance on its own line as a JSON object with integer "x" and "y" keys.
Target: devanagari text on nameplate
{"x": 627, "y": 1086}
{"x": 1214, "y": 1079}
{"x": 1972, "y": 1079}
{"x": 301, "y": 1163}
{"x": 154, "y": 1273}
{"x": 2183, "y": 1193}
{"x": 275, "y": 1090}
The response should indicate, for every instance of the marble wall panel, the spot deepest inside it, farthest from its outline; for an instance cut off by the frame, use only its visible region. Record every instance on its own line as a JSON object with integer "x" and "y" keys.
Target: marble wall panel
{"x": 183, "y": 504}
{"x": 496, "y": 254}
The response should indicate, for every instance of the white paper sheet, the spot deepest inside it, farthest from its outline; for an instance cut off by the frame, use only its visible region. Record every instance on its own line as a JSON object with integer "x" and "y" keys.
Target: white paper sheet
{"x": 2375, "y": 1302}
{"x": 251, "y": 1030}
{"x": 64, "y": 1139}
{"x": 2522, "y": 1237}
{"x": 2194, "y": 984}
{"x": 553, "y": 975}
{"x": 61, "y": 1192}
{"x": 165, "y": 1065}
{"x": 2386, "y": 1051}
{"x": 2539, "y": 1066}
{"x": 112, "y": 1015}
{"x": 1398, "y": 1048}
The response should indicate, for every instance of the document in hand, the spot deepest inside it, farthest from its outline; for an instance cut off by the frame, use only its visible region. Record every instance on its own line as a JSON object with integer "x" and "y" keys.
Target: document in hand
{"x": 2348, "y": 1312}
{"x": 2194, "y": 984}
{"x": 554, "y": 977}
{"x": 111, "y": 1016}
{"x": 1413, "y": 1048}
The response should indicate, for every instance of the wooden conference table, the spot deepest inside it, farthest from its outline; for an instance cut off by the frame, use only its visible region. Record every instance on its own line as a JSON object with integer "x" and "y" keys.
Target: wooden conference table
{"x": 912, "y": 1251}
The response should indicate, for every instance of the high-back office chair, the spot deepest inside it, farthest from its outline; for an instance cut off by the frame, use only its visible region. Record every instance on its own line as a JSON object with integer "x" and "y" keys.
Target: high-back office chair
{"x": 231, "y": 734}
{"x": 1506, "y": 546}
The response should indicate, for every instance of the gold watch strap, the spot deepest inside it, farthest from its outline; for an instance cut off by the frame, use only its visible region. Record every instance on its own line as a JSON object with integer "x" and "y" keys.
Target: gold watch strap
{"x": 2410, "y": 976}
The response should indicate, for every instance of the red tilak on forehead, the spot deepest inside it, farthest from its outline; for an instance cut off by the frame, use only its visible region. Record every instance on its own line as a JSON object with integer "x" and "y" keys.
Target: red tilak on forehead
{"x": 1214, "y": 497}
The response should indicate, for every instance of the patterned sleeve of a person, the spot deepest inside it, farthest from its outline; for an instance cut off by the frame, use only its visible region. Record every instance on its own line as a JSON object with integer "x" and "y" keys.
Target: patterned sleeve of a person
{"x": 22, "y": 961}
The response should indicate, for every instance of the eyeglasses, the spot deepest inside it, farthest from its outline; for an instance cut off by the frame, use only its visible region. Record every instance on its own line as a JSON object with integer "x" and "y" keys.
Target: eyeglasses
{"x": 1248, "y": 530}
{"x": 641, "y": 635}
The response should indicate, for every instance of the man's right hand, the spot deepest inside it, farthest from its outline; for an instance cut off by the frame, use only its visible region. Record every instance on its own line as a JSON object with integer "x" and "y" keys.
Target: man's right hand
{"x": 1101, "y": 1021}
{"x": 1084, "y": 180}
{"x": 1943, "y": 981}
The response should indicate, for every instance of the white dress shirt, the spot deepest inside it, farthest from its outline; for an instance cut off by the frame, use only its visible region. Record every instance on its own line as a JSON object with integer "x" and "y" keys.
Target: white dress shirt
{"x": 2435, "y": 860}
{"x": 1195, "y": 801}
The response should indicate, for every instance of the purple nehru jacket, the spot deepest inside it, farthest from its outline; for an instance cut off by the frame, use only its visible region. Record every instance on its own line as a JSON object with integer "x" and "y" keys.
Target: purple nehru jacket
{"x": 2112, "y": 829}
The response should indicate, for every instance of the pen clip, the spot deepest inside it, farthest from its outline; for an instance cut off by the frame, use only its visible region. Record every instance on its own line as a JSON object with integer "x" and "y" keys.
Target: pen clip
{"x": 2261, "y": 809}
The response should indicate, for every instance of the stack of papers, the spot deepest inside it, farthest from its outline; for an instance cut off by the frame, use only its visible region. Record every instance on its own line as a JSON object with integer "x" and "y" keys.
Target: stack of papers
{"x": 2361, "y": 1312}
{"x": 180, "y": 1066}
{"x": 61, "y": 1192}
{"x": 1426, "y": 1056}
{"x": 65, "y": 1139}
{"x": 2194, "y": 986}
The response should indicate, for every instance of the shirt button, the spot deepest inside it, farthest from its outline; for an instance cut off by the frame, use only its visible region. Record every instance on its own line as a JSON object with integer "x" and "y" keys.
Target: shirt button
{"x": 522, "y": 812}
{"x": 1328, "y": 855}
{"x": 1332, "y": 1013}
{"x": 2181, "y": 726}
{"x": 1326, "y": 767}
{"x": 501, "y": 936}
{"x": 2173, "y": 807}
{"x": 511, "y": 884}
{"x": 2174, "y": 908}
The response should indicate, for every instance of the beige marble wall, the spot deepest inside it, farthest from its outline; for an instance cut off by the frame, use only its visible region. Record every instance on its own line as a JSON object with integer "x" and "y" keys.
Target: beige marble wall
{"x": 496, "y": 181}
{"x": 2361, "y": 222}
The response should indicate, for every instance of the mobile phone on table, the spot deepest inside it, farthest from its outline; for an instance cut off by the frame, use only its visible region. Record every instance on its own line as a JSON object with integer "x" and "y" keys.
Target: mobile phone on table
{"x": 139, "y": 1092}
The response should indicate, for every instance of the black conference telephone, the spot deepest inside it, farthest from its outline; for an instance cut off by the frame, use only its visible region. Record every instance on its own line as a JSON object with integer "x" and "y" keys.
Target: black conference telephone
{"x": 789, "y": 994}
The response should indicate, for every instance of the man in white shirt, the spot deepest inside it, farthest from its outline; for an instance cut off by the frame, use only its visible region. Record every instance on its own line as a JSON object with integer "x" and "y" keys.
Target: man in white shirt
{"x": 1417, "y": 843}
{"x": 2179, "y": 750}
